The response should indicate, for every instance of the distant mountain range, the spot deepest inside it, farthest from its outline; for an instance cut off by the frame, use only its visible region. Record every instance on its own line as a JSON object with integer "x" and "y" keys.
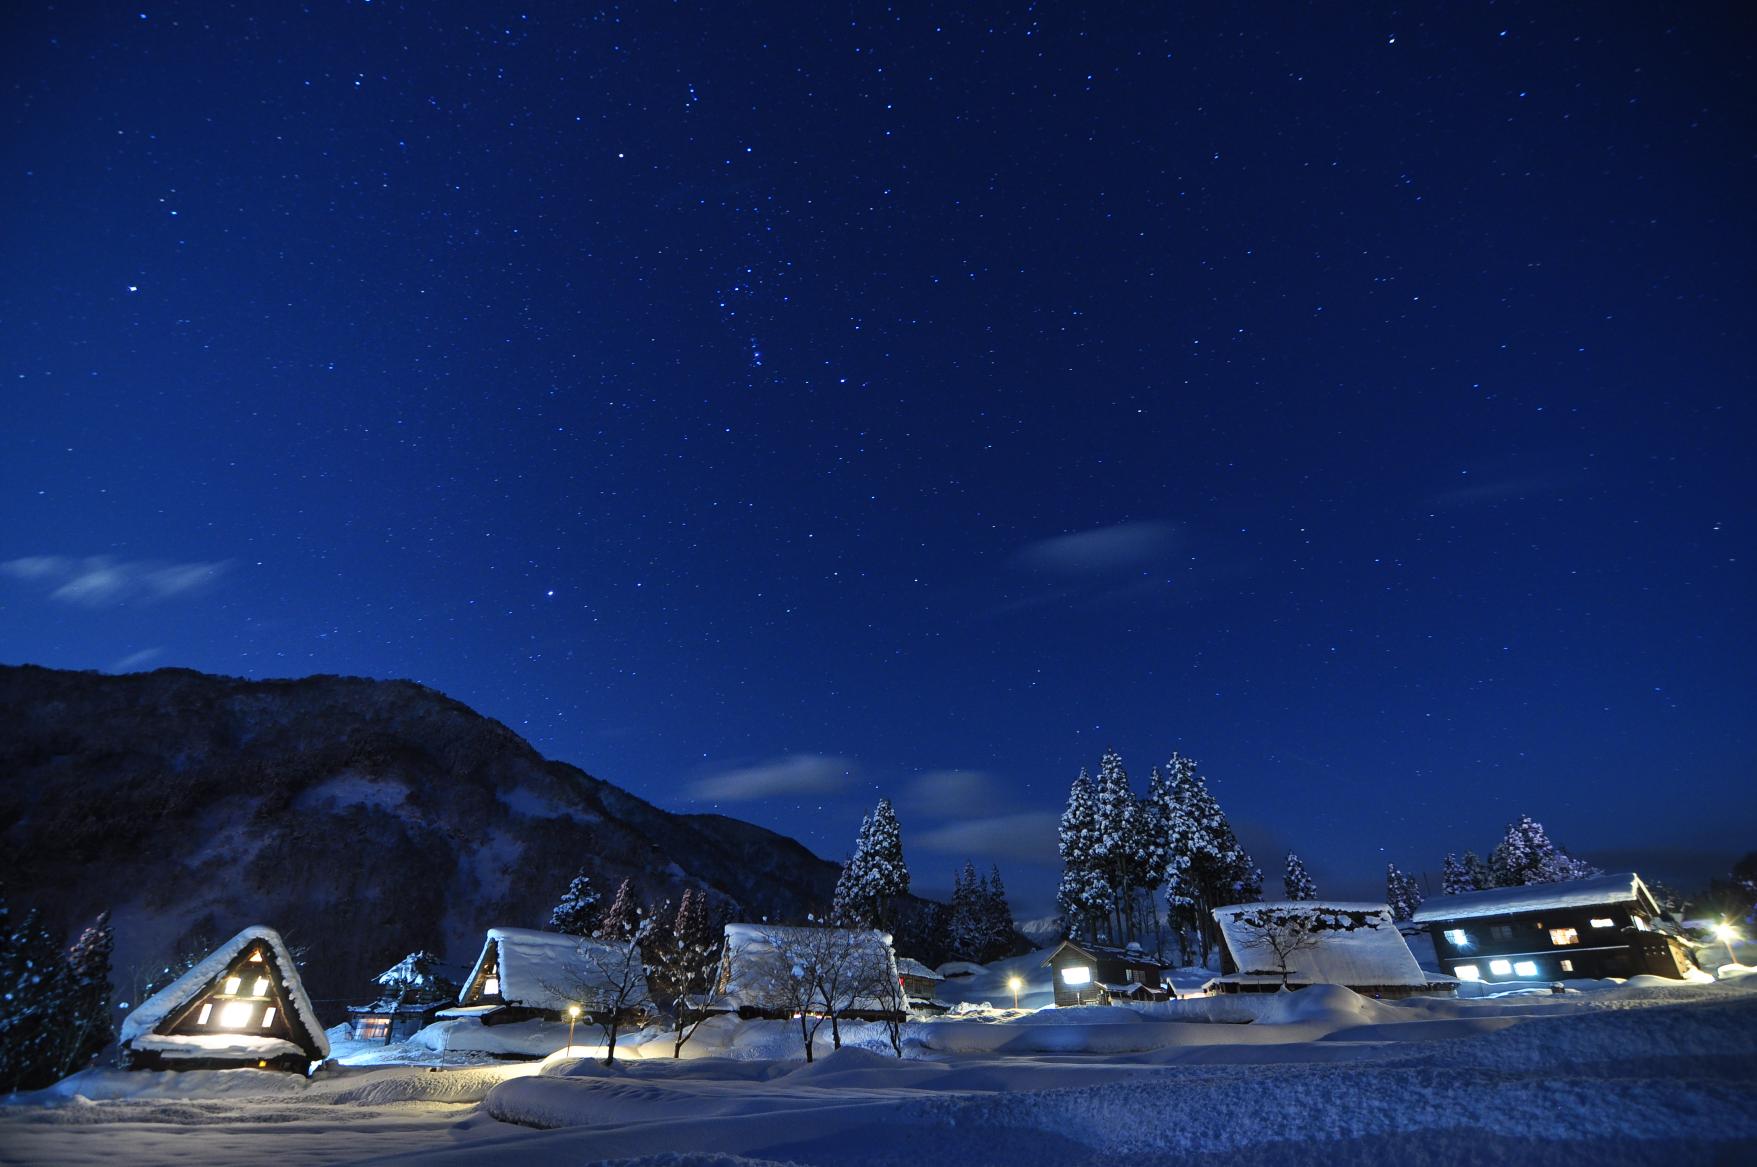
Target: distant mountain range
{"x": 361, "y": 818}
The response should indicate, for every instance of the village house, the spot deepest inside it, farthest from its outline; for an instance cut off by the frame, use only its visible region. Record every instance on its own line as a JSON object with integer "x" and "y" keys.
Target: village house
{"x": 1604, "y": 926}
{"x": 525, "y": 975}
{"x": 1314, "y": 942}
{"x": 1093, "y": 974}
{"x": 920, "y": 986}
{"x": 242, "y": 1006}
{"x": 412, "y": 993}
{"x": 757, "y": 976}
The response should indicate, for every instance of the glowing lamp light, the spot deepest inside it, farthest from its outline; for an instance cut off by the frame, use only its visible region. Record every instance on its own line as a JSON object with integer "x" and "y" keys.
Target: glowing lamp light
{"x": 1015, "y": 984}
{"x": 573, "y": 1015}
{"x": 1726, "y": 934}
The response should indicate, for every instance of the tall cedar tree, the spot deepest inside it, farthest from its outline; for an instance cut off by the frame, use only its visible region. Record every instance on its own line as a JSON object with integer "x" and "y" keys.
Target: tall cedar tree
{"x": 578, "y": 913}
{"x": 997, "y": 919}
{"x": 847, "y": 907}
{"x": 1527, "y": 855}
{"x": 1083, "y": 893}
{"x": 1296, "y": 881}
{"x": 1455, "y": 877}
{"x": 1403, "y": 893}
{"x": 622, "y": 919}
{"x": 965, "y": 929}
{"x": 1206, "y": 867}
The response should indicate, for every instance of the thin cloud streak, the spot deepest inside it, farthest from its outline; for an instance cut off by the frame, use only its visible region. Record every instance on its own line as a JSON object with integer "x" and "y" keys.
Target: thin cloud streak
{"x": 1029, "y": 837}
{"x": 99, "y": 581}
{"x": 1102, "y": 550}
{"x": 793, "y": 774}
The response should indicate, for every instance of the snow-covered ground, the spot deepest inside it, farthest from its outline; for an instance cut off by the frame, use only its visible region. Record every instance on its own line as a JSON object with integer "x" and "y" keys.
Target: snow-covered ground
{"x": 1611, "y": 1074}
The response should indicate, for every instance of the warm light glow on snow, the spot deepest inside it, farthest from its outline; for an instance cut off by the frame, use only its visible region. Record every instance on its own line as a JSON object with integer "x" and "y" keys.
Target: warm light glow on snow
{"x": 235, "y": 1014}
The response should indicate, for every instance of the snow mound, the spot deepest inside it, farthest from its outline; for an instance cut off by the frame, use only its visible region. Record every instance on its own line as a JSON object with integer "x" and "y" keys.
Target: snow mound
{"x": 1327, "y": 1004}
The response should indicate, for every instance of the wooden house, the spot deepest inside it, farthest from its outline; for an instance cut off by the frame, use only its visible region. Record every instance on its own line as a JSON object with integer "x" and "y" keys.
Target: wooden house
{"x": 243, "y": 1005}
{"x": 1604, "y": 926}
{"x": 524, "y": 975}
{"x": 411, "y": 994}
{"x": 1093, "y": 974}
{"x": 758, "y": 976}
{"x": 1318, "y": 942}
{"x": 920, "y": 985}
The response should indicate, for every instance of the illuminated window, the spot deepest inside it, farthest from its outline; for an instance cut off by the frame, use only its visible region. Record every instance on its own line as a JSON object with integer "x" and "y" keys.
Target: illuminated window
{"x": 268, "y": 1017}
{"x": 1457, "y": 938}
{"x": 260, "y": 988}
{"x": 206, "y": 1012}
{"x": 1560, "y": 936}
{"x": 491, "y": 986}
{"x": 232, "y": 984}
{"x": 1526, "y": 968}
{"x": 1567, "y": 966}
{"x": 1501, "y": 968}
{"x": 372, "y": 1029}
{"x": 1468, "y": 972}
{"x": 256, "y": 957}
{"x": 1640, "y": 924}
{"x": 236, "y": 1014}
{"x": 1077, "y": 975}
{"x": 1603, "y": 922}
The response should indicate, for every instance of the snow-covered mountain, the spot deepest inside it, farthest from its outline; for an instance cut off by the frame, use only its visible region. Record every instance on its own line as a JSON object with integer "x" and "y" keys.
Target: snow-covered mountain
{"x": 362, "y": 819}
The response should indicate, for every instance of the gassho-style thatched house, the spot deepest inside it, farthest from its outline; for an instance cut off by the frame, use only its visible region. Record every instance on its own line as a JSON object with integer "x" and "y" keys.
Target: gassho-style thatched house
{"x": 1604, "y": 926}
{"x": 1317, "y": 942}
{"x": 920, "y": 986}
{"x": 524, "y": 975}
{"x": 413, "y": 991}
{"x": 241, "y": 1006}
{"x": 1093, "y": 974}
{"x": 759, "y": 959}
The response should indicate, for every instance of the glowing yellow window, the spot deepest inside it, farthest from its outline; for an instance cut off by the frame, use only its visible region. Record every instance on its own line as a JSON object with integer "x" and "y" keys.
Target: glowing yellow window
{"x": 232, "y": 984}
{"x": 260, "y": 988}
{"x": 268, "y": 1017}
{"x": 1077, "y": 975}
{"x": 491, "y": 986}
{"x": 236, "y": 1014}
{"x": 207, "y": 1011}
{"x": 1561, "y": 936}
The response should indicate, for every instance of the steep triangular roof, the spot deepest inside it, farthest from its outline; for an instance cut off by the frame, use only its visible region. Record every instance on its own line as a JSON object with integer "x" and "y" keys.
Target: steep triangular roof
{"x": 1624, "y": 887}
{"x": 548, "y": 970}
{"x": 1358, "y": 944}
{"x": 151, "y": 1026}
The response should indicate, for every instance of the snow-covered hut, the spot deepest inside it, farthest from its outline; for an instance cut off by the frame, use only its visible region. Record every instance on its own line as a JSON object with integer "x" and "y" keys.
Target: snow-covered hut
{"x": 1096, "y": 974}
{"x": 1318, "y": 942}
{"x": 524, "y": 974}
{"x": 1603, "y": 926}
{"x": 920, "y": 985}
{"x": 412, "y": 992}
{"x": 243, "y": 1005}
{"x": 768, "y": 970}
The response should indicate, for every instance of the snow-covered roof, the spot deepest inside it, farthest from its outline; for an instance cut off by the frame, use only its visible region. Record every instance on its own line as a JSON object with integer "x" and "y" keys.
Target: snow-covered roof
{"x": 910, "y": 967}
{"x": 1621, "y": 888}
{"x": 1358, "y": 944}
{"x": 203, "y": 976}
{"x": 756, "y": 954}
{"x": 550, "y": 970}
{"x": 1130, "y": 955}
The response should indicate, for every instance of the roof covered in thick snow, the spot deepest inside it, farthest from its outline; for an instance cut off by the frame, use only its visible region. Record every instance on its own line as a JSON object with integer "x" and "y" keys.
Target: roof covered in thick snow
{"x": 909, "y": 967}
{"x": 1358, "y": 944}
{"x": 757, "y": 955}
{"x": 550, "y": 970}
{"x": 1621, "y": 888}
{"x": 204, "y": 976}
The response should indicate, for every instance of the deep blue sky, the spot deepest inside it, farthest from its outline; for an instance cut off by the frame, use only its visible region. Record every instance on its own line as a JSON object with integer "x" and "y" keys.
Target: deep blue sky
{"x": 766, "y": 408}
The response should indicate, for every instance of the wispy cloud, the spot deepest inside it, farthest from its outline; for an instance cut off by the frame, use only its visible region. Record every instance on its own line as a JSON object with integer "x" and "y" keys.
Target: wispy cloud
{"x": 99, "y": 581}
{"x": 1102, "y": 550}
{"x": 1029, "y": 837}
{"x": 953, "y": 793}
{"x": 133, "y": 661}
{"x": 793, "y": 774}
{"x": 1505, "y": 488}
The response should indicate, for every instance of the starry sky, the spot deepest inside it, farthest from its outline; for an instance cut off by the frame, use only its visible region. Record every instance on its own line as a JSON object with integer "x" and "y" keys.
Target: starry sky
{"x": 769, "y": 407}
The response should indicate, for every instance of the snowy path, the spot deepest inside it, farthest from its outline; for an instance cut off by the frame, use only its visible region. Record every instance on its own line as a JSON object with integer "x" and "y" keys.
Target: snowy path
{"x": 1627, "y": 1076}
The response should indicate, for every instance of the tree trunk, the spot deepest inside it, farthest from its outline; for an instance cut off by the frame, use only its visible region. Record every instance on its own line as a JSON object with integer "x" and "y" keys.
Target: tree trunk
{"x": 835, "y": 1032}
{"x": 805, "y": 1036}
{"x": 610, "y": 1046}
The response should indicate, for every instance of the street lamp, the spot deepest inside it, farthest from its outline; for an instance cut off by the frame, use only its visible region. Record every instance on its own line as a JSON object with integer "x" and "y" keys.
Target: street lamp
{"x": 1726, "y": 934}
{"x": 573, "y": 1015}
{"x": 1015, "y": 984}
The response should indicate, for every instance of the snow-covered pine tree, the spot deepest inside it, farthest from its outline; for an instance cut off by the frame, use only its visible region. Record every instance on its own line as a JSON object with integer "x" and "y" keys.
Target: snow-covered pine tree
{"x": 1082, "y": 894}
{"x": 1455, "y": 878}
{"x": 30, "y": 970}
{"x": 1296, "y": 881}
{"x": 1403, "y": 893}
{"x": 1206, "y": 866}
{"x": 622, "y": 919}
{"x": 965, "y": 927}
{"x": 997, "y": 919}
{"x": 81, "y": 1010}
{"x": 578, "y": 912}
{"x": 883, "y": 874}
{"x": 1113, "y": 853}
{"x": 1476, "y": 870}
{"x": 1527, "y": 855}
{"x": 1148, "y": 852}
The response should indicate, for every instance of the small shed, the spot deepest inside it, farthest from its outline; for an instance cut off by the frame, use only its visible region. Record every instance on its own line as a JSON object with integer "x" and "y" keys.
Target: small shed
{"x": 411, "y": 994}
{"x": 1604, "y": 926}
{"x": 1312, "y": 942}
{"x": 920, "y": 985}
{"x": 524, "y": 974}
{"x": 758, "y": 966}
{"x": 1095, "y": 974}
{"x": 241, "y": 1006}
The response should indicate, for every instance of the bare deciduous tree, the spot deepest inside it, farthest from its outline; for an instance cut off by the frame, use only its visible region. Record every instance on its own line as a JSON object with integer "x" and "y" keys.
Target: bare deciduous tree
{"x": 1278, "y": 934}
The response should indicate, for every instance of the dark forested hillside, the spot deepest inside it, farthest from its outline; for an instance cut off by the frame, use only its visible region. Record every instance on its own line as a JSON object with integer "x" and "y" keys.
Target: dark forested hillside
{"x": 362, "y": 818}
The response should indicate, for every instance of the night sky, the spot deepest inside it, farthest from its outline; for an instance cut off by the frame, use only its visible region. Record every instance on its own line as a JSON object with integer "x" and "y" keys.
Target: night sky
{"x": 768, "y": 408}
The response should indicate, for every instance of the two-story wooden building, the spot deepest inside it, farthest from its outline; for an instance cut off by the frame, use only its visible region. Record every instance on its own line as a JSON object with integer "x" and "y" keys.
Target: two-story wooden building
{"x": 1605, "y": 926}
{"x": 1093, "y": 974}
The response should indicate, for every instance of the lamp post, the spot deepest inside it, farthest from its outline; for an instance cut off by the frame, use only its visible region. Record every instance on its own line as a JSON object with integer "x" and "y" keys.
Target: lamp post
{"x": 1015, "y": 984}
{"x": 1726, "y": 934}
{"x": 573, "y": 1015}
